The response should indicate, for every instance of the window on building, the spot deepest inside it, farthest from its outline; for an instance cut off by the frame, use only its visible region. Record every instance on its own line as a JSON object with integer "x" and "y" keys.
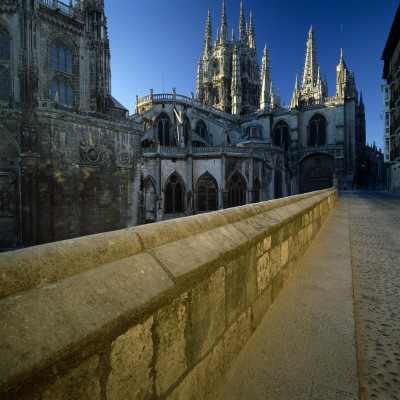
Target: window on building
{"x": 61, "y": 91}
{"x": 317, "y": 131}
{"x": 163, "y": 128}
{"x": 256, "y": 190}
{"x": 61, "y": 57}
{"x": 4, "y": 45}
{"x": 236, "y": 190}
{"x": 174, "y": 195}
{"x": 278, "y": 184}
{"x": 207, "y": 193}
{"x": 5, "y": 84}
{"x": 280, "y": 136}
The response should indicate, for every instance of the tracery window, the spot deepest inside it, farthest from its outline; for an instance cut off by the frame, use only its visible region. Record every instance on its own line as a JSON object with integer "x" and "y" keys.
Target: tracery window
{"x": 207, "y": 193}
{"x": 163, "y": 129}
{"x": 174, "y": 195}
{"x": 280, "y": 136}
{"x": 61, "y": 57}
{"x": 5, "y": 84}
{"x": 236, "y": 190}
{"x": 61, "y": 92}
{"x": 4, "y": 45}
{"x": 317, "y": 131}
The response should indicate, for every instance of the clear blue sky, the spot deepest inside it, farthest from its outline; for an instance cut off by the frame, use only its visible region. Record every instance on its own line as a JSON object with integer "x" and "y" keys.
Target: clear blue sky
{"x": 158, "y": 42}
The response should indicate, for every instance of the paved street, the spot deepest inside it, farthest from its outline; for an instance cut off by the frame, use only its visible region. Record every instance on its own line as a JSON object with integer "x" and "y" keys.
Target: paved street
{"x": 334, "y": 331}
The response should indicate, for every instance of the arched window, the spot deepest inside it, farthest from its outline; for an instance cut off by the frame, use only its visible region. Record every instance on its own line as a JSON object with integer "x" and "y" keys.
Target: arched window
{"x": 174, "y": 195}
{"x": 207, "y": 193}
{"x": 5, "y": 84}
{"x": 317, "y": 131}
{"x": 256, "y": 190}
{"x": 236, "y": 190}
{"x": 61, "y": 92}
{"x": 280, "y": 136}
{"x": 61, "y": 57}
{"x": 4, "y": 45}
{"x": 201, "y": 129}
{"x": 163, "y": 129}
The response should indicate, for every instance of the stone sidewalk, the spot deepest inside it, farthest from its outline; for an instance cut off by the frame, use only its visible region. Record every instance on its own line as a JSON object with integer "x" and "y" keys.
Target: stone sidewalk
{"x": 324, "y": 338}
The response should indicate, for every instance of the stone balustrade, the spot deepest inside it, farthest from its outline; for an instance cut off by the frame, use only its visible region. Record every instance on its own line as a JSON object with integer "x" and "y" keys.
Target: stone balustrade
{"x": 154, "y": 311}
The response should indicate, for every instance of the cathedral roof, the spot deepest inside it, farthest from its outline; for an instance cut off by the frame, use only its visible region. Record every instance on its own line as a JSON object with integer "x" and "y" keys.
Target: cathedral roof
{"x": 113, "y": 102}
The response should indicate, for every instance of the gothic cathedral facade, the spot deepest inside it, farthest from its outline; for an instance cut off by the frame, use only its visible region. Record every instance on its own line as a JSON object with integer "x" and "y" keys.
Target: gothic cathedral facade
{"x": 72, "y": 162}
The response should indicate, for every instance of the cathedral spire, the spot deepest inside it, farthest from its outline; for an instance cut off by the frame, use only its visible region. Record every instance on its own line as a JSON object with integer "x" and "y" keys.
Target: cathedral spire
{"x": 311, "y": 64}
{"x": 224, "y": 25}
{"x": 296, "y": 93}
{"x": 236, "y": 87}
{"x": 266, "y": 80}
{"x": 208, "y": 35}
{"x": 242, "y": 24}
{"x": 252, "y": 39}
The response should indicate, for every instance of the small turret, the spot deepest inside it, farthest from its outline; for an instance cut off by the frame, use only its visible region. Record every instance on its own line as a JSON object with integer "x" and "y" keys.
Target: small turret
{"x": 345, "y": 83}
{"x": 199, "y": 85}
{"x": 272, "y": 96}
{"x": 296, "y": 97}
{"x": 233, "y": 36}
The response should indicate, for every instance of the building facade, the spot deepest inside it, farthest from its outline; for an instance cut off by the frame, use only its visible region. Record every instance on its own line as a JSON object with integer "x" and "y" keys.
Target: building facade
{"x": 72, "y": 162}
{"x": 68, "y": 153}
{"x": 391, "y": 72}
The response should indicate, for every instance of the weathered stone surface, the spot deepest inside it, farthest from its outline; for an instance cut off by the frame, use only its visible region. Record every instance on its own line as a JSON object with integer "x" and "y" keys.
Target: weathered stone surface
{"x": 236, "y": 272}
{"x": 275, "y": 259}
{"x": 81, "y": 383}
{"x": 284, "y": 252}
{"x": 170, "y": 356}
{"x": 131, "y": 356}
{"x": 207, "y": 313}
{"x": 53, "y": 319}
{"x": 197, "y": 250}
{"x": 261, "y": 306}
{"x": 263, "y": 272}
{"x": 203, "y": 378}
{"x": 237, "y": 336}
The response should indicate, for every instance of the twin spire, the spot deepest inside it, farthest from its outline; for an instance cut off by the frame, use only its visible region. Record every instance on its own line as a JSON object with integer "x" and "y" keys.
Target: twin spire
{"x": 246, "y": 32}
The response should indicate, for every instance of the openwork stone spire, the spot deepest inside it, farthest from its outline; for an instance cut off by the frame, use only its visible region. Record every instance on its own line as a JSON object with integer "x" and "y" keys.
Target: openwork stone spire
{"x": 208, "y": 34}
{"x": 252, "y": 36}
{"x": 311, "y": 65}
{"x": 266, "y": 80}
{"x": 242, "y": 24}
{"x": 224, "y": 25}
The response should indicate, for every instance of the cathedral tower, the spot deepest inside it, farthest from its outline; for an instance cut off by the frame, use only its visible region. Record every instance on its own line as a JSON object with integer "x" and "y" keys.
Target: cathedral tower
{"x": 230, "y": 71}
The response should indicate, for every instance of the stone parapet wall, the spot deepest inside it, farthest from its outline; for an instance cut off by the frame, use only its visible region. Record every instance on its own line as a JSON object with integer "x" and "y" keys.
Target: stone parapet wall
{"x": 156, "y": 311}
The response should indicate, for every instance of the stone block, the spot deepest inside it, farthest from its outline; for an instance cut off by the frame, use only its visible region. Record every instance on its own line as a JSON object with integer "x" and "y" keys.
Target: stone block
{"x": 263, "y": 272}
{"x": 131, "y": 357}
{"x": 207, "y": 313}
{"x": 203, "y": 378}
{"x": 80, "y": 383}
{"x": 284, "y": 252}
{"x": 236, "y": 337}
{"x": 251, "y": 278}
{"x": 170, "y": 325}
{"x": 275, "y": 260}
{"x": 236, "y": 273}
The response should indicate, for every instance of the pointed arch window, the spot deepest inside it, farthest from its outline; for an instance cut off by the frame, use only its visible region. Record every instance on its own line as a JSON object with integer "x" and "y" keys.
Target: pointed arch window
{"x": 62, "y": 92}
{"x": 4, "y": 45}
{"x": 317, "y": 131}
{"x": 61, "y": 57}
{"x": 280, "y": 136}
{"x": 207, "y": 193}
{"x": 174, "y": 195}
{"x": 163, "y": 128}
{"x": 236, "y": 190}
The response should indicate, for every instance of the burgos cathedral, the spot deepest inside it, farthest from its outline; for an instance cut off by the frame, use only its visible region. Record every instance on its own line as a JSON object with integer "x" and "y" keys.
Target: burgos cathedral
{"x": 72, "y": 162}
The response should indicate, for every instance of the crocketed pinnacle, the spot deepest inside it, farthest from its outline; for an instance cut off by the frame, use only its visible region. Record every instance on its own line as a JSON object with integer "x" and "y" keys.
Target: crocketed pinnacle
{"x": 242, "y": 24}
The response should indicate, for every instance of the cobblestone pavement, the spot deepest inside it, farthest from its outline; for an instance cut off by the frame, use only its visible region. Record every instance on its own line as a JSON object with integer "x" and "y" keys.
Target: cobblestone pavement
{"x": 375, "y": 248}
